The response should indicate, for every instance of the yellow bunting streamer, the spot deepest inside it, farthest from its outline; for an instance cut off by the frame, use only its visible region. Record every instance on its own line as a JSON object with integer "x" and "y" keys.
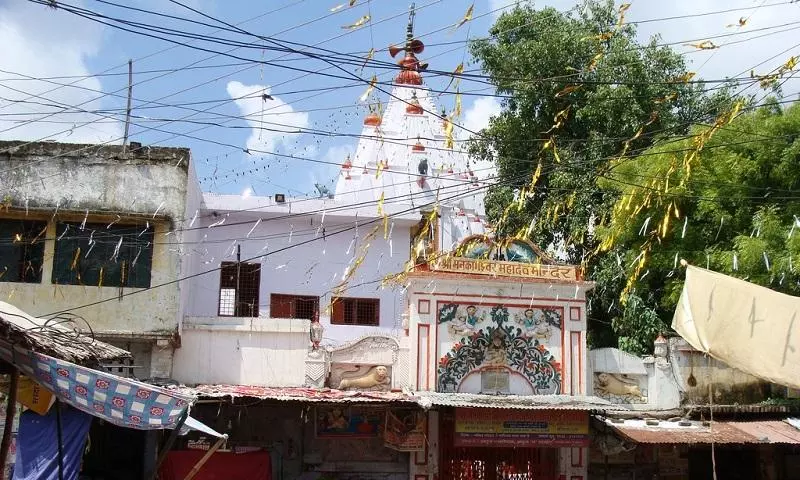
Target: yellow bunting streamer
{"x": 741, "y": 23}
{"x": 705, "y": 45}
{"x": 455, "y": 77}
{"x": 567, "y": 90}
{"x": 621, "y": 12}
{"x": 467, "y": 18}
{"x": 359, "y": 23}
{"x": 370, "y": 88}
{"x": 74, "y": 263}
{"x": 341, "y": 6}
{"x": 382, "y": 213}
{"x": 448, "y": 133}
{"x": 685, "y": 78}
{"x": 457, "y": 111}
{"x": 370, "y": 56}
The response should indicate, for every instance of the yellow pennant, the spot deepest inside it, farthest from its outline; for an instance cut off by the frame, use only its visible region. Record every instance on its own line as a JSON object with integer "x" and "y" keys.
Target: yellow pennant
{"x": 741, "y": 23}
{"x": 370, "y": 88}
{"x": 455, "y": 77}
{"x": 339, "y": 7}
{"x": 536, "y": 174}
{"x": 705, "y": 45}
{"x": 370, "y": 56}
{"x": 467, "y": 18}
{"x": 457, "y": 111}
{"x": 621, "y": 12}
{"x": 567, "y": 90}
{"x": 685, "y": 77}
{"x": 379, "y": 169}
{"x": 448, "y": 133}
{"x": 790, "y": 64}
{"x": 359, "y": 23}
{"x": 558, "y": 120}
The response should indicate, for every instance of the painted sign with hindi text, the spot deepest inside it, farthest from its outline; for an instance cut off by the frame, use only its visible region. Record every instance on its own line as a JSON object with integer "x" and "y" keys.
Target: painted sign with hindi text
{"x": 508, "y": 269}
{"x": 521, "y": 428}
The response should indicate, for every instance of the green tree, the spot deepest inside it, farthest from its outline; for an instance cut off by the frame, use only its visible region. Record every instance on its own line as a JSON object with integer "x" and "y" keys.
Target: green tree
{"x": 738, "y": 212}
{"x": 586, "y": 67}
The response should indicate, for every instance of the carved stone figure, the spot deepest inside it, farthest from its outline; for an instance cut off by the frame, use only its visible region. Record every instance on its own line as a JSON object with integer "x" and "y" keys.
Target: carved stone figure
{"x": 375, "y": 377}
{"x": 610, "y": 384}
{"x": 496, "y": 351}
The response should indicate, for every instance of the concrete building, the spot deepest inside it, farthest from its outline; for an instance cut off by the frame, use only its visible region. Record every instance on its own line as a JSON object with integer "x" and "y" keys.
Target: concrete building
{"x": 86, "y": 234}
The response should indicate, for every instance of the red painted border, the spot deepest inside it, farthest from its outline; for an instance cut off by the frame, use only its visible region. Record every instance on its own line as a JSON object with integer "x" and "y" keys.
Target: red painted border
{"x": 561, "y": 362}
{"x": 577, "y": 335}
{"x": 548, "y": 299}
{"x": 579, "y": 461}
{"x": 420, "y": 327}
{"x": 575, "y": 314}
{"x": 427, "y": 304}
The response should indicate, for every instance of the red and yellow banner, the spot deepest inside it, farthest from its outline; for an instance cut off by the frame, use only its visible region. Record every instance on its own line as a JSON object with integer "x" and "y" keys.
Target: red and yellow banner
{"x": 481, "y": 427}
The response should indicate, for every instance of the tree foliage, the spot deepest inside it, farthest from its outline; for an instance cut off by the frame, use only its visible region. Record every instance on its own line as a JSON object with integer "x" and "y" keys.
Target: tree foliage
{"x": 738, "y": 213}
{"x": 611, "y": 94}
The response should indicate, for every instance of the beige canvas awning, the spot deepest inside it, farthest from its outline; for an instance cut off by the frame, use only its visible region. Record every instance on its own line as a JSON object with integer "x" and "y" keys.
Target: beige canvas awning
{"x": 751, "y": 328}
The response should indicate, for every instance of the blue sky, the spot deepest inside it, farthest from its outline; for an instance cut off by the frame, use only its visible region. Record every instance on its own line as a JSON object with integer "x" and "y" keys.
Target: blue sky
{"x": 42, "y": 42}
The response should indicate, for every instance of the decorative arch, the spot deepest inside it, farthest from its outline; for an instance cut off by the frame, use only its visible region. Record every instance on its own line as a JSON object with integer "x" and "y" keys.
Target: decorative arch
{"x": 524, "y": 355}
{"x": 510, "y": 250}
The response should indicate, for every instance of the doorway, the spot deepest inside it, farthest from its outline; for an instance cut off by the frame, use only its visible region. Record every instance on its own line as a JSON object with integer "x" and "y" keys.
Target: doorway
{"x": 492, "y": 463}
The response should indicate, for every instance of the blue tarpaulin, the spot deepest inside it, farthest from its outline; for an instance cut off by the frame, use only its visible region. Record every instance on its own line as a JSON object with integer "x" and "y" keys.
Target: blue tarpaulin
{"x": 37, "y": 444}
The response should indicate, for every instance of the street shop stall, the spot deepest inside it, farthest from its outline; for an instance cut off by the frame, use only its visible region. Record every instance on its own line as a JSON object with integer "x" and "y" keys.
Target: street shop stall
{"x": 50, "y": 373}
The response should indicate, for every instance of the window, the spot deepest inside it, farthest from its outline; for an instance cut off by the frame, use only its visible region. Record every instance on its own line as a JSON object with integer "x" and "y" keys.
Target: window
{"x": 102, "y": 255}
{"x": 355, "y": 311}
{"x": 21, "y": 250}
{"x": 293, "y": 306}
{"x": 238, "y": 289}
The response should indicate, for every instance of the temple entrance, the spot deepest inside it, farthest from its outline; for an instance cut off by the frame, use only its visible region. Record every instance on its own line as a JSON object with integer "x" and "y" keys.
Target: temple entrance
{"x": 491, "y": 463}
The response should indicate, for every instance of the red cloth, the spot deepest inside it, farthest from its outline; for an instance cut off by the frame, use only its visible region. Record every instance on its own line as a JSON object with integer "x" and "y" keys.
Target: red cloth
{"x": 221, "y": 466}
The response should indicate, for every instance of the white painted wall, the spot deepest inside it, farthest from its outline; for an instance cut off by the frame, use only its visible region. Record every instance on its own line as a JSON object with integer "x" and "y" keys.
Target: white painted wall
{"x": 311, "y": 269}
{"x": 242, "y": 351}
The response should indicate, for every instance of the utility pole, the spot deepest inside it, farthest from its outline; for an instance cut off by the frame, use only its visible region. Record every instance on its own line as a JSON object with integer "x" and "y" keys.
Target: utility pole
{"x": 238, "y": 277}
{"x": 128, "y": 111}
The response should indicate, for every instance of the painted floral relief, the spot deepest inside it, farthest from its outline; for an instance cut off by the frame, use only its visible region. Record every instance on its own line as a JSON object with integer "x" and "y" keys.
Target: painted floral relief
{"x": 519, "y": 341}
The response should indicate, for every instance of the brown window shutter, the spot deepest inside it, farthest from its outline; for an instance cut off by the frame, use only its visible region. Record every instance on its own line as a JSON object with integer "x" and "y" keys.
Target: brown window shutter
{"x": 337, "y": 311}
{"x": 280, "y": 306}
{"x": 377, "y": 308}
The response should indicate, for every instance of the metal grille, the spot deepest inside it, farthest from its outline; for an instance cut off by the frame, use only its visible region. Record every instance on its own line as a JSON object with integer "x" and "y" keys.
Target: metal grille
{"x": 491, "y": 463}
{"x": 243, "y": 281}
{"x": 356, "y": 311}
{"x": 293, "y": 306}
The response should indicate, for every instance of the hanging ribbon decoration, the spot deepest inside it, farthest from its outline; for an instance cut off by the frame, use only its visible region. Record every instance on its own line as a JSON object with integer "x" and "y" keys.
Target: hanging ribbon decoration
{"x": 467, "y": 17}
{"x": 359, "y": 23}
{"x": 705, "y": 45}
{"x": 455, "y": 77}
{"x": 382, "y": 214}
{"x": 741, "y": 23}
{"x": 339, "y": 7}
{"x": 370, "y": 88}
{"x": 370, "y": 56}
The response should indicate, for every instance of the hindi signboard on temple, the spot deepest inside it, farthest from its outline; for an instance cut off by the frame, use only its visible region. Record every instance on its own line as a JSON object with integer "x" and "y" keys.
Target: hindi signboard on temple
{"x": 521, "y": 428}
{"x": 509, "y": 269}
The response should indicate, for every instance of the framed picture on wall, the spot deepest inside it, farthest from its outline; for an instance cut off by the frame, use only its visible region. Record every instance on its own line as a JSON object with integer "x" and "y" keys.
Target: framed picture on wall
{"x": 334, "y": 421}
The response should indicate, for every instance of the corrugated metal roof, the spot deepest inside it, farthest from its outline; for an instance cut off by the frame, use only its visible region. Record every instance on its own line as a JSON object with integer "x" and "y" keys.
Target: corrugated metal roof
{"x": 300, "y": 394}
{"x": 672, "y": 433}
{"x": 667, "y": 432}
{"x": 425, "y": 400}
{"x": 775, "y": 431}
{"x": 531, "y": 402}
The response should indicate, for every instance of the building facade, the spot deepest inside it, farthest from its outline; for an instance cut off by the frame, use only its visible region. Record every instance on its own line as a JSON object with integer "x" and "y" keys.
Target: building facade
{"x": 89, "y": 232}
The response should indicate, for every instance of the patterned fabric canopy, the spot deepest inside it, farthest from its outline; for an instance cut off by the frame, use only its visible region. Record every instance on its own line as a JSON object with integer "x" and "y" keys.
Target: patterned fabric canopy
{"x": 121, "y": 401}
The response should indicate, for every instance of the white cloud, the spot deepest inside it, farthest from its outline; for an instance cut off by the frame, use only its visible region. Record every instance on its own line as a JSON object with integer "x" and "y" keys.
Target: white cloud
{"x": 274, "y": 121}
{"x": 42, "y": 42}
{"x": 477, "y": 116}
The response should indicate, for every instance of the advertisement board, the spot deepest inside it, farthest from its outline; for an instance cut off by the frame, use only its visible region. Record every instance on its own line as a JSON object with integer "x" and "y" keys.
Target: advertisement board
{"x": 483, "y": 427}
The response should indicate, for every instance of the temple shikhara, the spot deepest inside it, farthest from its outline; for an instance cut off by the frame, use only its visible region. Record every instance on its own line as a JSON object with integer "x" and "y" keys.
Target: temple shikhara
{"x": 383, "y": 330}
